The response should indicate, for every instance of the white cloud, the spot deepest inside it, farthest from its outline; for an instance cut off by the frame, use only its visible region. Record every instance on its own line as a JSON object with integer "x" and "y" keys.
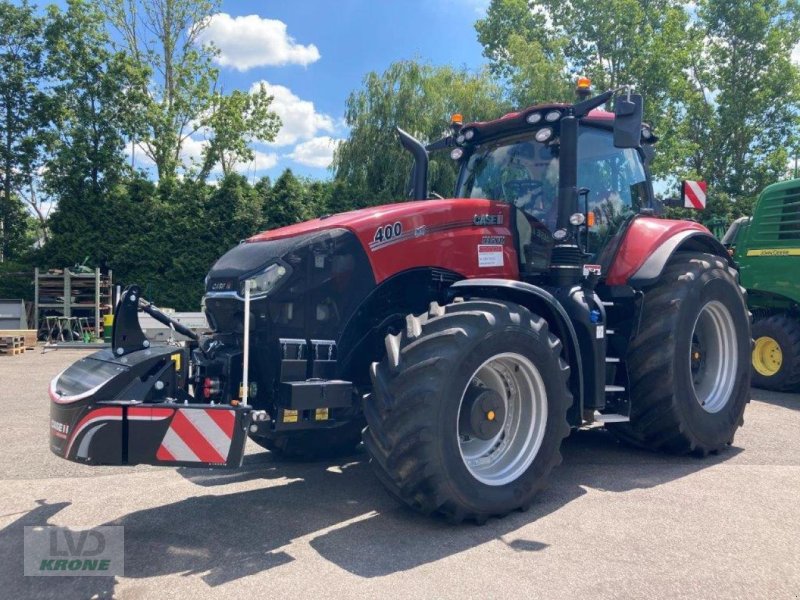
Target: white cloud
{"x": 316, "y": 152}
{"x": 300, "y": 119}
{"x": 796, "y": 55}
{"x": 192, "y": 150}
{"x": 251, "y": 41}
{"x": 262, "y": 162}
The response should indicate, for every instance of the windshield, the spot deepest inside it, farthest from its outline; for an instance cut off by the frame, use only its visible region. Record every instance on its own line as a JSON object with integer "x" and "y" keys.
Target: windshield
{"x": 524, "y": 173}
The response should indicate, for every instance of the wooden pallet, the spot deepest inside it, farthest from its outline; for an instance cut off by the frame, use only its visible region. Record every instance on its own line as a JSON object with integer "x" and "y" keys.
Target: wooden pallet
{"x": 12, "y": 345}
{"x": 29, "y": 336}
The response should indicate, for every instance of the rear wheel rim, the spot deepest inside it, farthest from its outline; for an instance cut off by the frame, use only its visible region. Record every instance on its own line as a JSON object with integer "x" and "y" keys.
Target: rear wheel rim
{"x": 507, "y": 455}
{"x": 767, "y": 356}
{"x": 713, "y": 357}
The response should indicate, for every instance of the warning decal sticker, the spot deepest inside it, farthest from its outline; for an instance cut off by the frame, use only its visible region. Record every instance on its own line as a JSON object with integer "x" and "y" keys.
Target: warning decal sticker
{"x": 490, "y": 255}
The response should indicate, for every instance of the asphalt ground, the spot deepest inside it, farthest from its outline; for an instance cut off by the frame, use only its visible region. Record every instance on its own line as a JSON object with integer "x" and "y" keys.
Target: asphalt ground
{"x": 614, "y": 522}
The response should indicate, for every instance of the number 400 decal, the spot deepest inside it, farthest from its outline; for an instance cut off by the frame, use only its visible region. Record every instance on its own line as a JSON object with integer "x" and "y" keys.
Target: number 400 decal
{"x": 385, "y": 233}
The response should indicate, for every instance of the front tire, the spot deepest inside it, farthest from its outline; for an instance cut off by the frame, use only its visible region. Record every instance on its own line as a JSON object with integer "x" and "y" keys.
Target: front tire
{"x": 776, "y": 353}
{"x": 468, "y": 410}
{"x": 689, "y": 364}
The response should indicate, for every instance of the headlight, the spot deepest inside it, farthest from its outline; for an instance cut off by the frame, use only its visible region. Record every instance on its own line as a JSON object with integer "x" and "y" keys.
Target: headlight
{"x": 543, "y": 134}
{"x": 263, "y": 283}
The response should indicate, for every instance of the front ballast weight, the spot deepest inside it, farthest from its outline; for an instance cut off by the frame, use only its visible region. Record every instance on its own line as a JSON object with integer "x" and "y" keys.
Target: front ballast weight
{"x": 130, "y": 404}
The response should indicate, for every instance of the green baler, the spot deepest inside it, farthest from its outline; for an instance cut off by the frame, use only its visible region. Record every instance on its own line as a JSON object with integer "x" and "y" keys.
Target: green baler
{"x": 767, "y": 248}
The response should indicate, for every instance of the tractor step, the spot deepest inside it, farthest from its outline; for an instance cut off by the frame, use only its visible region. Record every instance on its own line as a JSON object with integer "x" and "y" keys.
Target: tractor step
{"x": 612, "y": 359}
{"x": 610, "y": 418}
{"x": 614, "y": 389}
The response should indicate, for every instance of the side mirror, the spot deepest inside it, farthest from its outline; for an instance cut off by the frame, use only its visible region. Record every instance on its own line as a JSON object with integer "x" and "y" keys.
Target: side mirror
{"x": 628, "y": 111}
{"x": 693, "y": 194}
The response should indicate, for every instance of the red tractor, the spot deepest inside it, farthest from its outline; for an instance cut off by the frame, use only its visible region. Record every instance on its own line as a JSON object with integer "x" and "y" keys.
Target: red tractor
{"x": 469, "y": 335}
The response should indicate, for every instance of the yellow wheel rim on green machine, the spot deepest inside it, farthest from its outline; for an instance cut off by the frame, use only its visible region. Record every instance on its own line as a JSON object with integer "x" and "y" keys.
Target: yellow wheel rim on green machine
{"x": 767, "y": 356}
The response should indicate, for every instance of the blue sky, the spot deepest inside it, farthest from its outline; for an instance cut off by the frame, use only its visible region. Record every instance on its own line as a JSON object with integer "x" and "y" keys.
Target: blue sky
{"x": 313, "y": 53}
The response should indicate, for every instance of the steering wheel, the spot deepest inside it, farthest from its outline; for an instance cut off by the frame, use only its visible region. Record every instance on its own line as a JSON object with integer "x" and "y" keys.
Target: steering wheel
{"x": 516, "y": 189}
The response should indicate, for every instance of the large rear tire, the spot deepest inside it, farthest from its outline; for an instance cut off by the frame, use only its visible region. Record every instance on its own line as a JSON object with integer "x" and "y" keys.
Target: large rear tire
{"x": 468, "y": 410}
{"x": 689, "y": 364}
{"x": 776, "y": 353}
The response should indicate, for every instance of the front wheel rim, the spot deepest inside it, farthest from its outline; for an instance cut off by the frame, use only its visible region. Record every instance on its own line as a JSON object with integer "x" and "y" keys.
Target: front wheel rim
{"x": 507, "y": 455}
{"x": 713, "y": 357}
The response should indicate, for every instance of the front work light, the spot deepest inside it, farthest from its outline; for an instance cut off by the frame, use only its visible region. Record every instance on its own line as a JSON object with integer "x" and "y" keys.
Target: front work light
{"x": 543, "y": 134}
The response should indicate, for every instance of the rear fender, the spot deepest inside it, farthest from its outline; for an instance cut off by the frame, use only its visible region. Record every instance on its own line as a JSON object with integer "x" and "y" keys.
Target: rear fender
{"x": 649, "y": 244}
{"x": 544, "y": 304}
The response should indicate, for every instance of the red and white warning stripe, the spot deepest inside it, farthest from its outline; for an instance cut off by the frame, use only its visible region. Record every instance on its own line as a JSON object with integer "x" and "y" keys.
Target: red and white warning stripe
{"x": 198, "y": 435}
{"x": 694, "y": 194}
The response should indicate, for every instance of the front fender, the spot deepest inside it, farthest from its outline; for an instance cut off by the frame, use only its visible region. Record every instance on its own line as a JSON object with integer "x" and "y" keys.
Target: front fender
{"x": 648, "y": 245}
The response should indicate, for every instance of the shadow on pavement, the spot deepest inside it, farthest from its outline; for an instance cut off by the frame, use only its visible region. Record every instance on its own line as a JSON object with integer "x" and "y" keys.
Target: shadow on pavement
{"x": 15, "y": 585}
{"x": 790, "y": 400}
{"x": 359, "y": 527}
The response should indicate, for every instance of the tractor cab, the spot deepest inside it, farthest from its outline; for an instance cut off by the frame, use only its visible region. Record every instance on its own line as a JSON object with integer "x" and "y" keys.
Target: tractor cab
{"x": 524, "y": 172}
{"x": 575, "y": 175}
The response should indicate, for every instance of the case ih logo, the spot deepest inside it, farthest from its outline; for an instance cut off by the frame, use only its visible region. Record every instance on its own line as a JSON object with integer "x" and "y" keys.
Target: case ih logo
{"x": 219, "y": 286}
{"x": 487, "y": 219}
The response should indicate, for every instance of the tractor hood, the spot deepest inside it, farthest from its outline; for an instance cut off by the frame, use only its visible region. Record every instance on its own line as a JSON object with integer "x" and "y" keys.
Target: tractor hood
{"x": 354, "y": 220}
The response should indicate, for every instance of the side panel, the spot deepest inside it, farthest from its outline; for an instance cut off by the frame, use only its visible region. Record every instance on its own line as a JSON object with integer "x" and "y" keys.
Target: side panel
{"x": 768, "y": 249}
{"x": 643, "y": 238}
{"x": 470, "y": 237}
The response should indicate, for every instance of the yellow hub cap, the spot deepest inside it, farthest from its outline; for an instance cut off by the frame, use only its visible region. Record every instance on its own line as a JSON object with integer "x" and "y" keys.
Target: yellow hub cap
{"x": 767, "y": 356}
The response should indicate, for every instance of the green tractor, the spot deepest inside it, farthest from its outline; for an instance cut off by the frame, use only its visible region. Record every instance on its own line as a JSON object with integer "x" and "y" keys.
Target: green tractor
{"x": 767, "y": 248}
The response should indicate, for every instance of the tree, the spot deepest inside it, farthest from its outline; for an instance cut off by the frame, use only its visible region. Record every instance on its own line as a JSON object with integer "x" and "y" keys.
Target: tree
{"x": 745, "y": 94}
{"x": 22, "y": 118}
{"x": 540, "y": 47}
{"x": 233, "y": 121}
{"x": 420, "y": 99}
{"x": 532, "y": 63}
{"x": 92, "y": 100}
{"x": 162, "y": 37}
{"x": 287, "y": 202}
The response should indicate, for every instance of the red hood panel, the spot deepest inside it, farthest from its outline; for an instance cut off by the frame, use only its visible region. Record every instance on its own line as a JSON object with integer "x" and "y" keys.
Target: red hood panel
{"x": 426, "y": 233}
{"x": 369, "y": 218}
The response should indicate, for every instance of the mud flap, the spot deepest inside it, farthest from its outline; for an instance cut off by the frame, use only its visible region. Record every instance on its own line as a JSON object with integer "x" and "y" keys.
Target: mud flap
{"x": 124, "y": 433}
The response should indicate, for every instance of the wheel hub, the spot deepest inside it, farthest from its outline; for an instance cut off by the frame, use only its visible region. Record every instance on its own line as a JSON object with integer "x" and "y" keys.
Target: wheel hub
{"x": 767, "y": 356}
{"x": 482, "y": 414}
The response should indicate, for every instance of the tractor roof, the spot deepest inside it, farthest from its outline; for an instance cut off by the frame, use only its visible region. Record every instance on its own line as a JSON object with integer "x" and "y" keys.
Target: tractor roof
{"x": 517, "y": 120}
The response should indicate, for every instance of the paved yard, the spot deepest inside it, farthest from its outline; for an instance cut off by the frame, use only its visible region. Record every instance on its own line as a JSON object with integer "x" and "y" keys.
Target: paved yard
{"x": 614, "y": 523}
